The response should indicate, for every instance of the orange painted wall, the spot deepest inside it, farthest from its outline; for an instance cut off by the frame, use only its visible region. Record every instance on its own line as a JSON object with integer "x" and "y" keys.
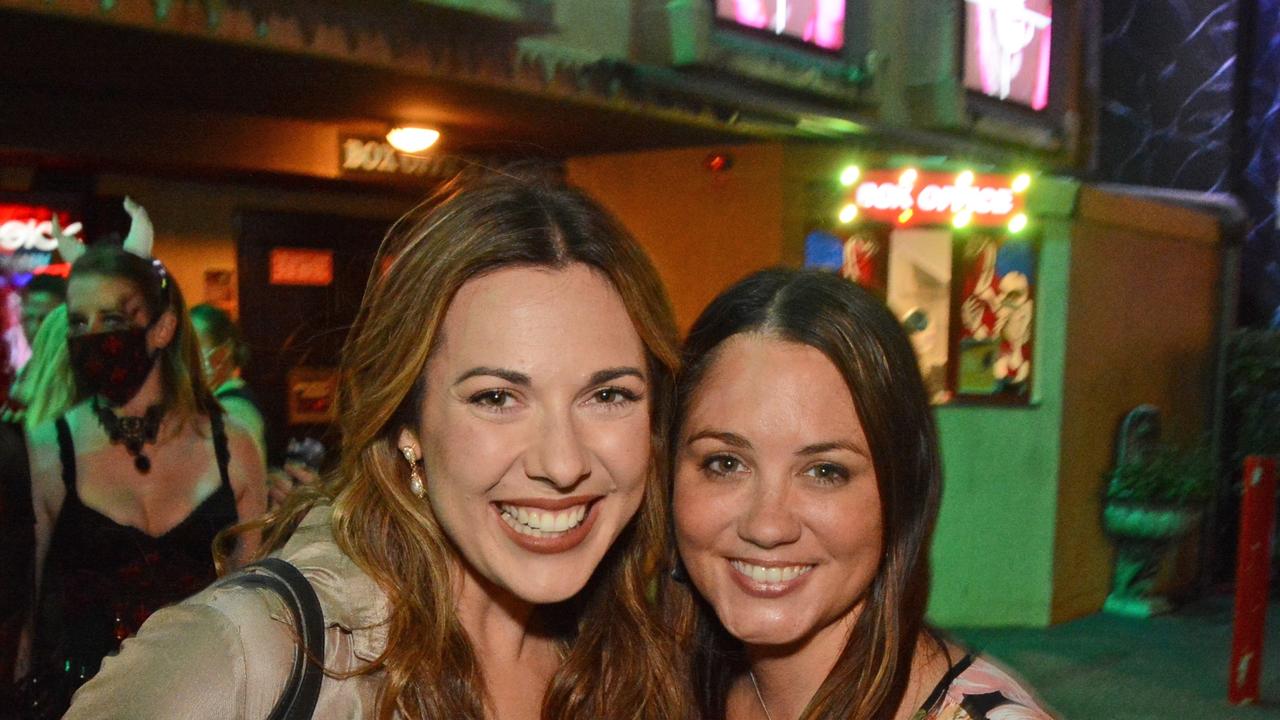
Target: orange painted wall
{"x": 1140, "y": 329}
{"x": 704, "y": 230}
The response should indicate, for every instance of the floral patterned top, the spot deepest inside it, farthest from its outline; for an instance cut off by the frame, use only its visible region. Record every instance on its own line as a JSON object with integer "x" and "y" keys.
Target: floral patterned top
{"x": 975, "y": 689}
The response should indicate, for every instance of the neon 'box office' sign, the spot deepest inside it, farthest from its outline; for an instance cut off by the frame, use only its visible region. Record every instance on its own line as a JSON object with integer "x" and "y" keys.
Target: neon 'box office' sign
{"x": 1006, "y": 50}
{"x": 819, "y": 23}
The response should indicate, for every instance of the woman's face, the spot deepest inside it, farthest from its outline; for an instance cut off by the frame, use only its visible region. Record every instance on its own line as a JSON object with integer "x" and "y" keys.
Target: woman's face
{"x": 777, "y": 510}
{"x": 218, "y": 363}
{"x": 535, "y": 430}
{"x": 102, "y": 303}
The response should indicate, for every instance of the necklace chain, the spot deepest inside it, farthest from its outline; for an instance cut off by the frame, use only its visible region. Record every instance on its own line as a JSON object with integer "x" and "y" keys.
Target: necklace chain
{"x": 759, "y": 697}
{"x": 134, "y": 433}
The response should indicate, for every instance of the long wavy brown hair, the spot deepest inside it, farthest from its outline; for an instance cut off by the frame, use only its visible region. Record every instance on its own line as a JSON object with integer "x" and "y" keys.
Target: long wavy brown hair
{"x": 859, "y": 335}
{"x": 619, "y": 658}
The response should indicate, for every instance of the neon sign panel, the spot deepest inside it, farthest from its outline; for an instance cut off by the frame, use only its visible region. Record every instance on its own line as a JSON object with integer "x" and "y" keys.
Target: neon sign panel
{"x": 921, "y": 198}
{"x": 1007, "y": 50}
{"x": 28, "y": 227}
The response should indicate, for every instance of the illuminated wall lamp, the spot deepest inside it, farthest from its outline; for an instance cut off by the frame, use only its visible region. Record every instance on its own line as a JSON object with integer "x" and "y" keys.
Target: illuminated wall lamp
{"x": 411, "y": 139}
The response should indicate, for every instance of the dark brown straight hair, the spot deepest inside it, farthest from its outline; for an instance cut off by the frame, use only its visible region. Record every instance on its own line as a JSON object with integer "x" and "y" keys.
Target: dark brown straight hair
{"x": 620, "y": 660}
{"x": 864, "y": 341}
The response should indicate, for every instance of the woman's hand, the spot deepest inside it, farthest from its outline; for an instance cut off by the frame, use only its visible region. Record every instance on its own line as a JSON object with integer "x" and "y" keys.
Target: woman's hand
{"x": 281, "y": 482}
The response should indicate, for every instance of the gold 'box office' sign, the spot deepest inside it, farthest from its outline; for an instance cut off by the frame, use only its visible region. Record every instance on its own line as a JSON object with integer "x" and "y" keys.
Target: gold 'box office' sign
{"x": 369, "y": 157}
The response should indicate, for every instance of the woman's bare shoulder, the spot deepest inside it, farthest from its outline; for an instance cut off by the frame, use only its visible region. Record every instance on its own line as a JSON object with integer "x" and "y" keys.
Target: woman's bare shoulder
{"x": 44, "y": 457}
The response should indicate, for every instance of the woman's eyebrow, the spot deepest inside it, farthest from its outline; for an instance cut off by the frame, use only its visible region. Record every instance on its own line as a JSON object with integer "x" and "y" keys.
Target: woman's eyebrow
{"x": 511, "y": 376}
{"x": 122, "y": 305}
{"x": 604, "y": 376}
{"x": 727, "y": 438}
{"x": 818, "y": 448}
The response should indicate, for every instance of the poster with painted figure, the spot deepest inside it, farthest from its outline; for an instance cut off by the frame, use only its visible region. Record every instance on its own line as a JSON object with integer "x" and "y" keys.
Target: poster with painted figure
{"x": 996, "y": 317}
{"x": 920, "y": 271}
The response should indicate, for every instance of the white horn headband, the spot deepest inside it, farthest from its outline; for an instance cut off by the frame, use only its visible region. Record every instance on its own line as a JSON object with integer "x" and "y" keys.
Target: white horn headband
{"x": 139, "y": 241}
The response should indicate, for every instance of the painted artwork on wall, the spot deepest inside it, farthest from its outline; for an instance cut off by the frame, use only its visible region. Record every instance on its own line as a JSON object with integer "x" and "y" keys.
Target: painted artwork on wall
{"x": 965, "y": 299}
{"x": 312, "y": 395}
{"x": 919, "y": 294}
{"x": 860, "y": 256}
{"x": 996, "y": 317}
{"x": 864, "y": 259}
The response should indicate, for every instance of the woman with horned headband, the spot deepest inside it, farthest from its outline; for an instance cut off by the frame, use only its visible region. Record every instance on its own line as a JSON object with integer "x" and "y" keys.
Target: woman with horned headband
{"x": 133, "y": 482}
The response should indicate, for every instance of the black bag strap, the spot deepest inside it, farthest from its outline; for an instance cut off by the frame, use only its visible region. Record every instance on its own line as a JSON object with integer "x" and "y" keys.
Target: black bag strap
{"x": 298, "y": 701}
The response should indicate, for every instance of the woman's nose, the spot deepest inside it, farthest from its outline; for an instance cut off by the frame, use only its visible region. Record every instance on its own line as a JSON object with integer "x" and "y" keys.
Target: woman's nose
{"x": 91, "y": 326}
{"x": 558, "y": 455}
{"x": 768, "y": 520}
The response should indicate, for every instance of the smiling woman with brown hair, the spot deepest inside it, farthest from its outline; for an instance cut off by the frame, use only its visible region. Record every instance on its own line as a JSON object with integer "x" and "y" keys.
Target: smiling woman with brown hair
{"x": 484, "y": 549}
{"x": 807, "y": 483}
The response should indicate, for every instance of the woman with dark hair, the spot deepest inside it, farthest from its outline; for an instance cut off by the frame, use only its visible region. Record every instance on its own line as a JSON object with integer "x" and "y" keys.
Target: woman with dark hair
{"x": 486, "y": 546}
{"x": 224, "y": 353}
{"x": 807, "y": 482}
{"x": 132, "y": 483}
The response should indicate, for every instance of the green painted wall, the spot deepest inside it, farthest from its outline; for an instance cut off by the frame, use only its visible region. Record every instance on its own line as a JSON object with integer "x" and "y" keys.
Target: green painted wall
{"x": 993, "y": 549}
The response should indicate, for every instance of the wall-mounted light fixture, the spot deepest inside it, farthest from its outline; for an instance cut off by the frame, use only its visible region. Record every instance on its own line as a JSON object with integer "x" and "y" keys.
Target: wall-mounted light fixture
{"x": 411, "y": 138}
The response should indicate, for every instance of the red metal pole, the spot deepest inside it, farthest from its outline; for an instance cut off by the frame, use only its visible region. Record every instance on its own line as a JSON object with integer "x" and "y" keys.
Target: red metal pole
{"x": 1253, "y": 570}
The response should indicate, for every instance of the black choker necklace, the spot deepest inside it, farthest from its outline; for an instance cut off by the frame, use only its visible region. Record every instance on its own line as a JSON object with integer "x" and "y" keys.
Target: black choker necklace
{"x": 132, "y": 432}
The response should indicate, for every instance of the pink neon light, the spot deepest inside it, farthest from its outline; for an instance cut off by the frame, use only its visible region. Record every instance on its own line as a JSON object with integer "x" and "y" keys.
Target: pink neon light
{"x": 1008, "y": 50}
{"x": 825, "y": 27}
{"x": 750, "y": 13}
{"x": 818, "y": 22}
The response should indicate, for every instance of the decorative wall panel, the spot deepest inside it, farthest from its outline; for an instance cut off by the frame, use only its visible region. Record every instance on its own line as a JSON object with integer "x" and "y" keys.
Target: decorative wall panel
{"x": 1168, "y": 72}
{"x": 1261, "y": 187}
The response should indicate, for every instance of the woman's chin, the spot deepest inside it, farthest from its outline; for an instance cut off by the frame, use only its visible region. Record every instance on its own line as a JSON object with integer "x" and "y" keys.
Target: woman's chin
{"x": 768, "y": 629}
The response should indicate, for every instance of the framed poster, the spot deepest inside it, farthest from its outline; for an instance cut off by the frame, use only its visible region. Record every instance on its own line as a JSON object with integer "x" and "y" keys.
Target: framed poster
{"x": 995, "y": 319}
{"x": 860, "y": 255}
{"x": 312, "y": 395}
{"x": 921, "y": 268}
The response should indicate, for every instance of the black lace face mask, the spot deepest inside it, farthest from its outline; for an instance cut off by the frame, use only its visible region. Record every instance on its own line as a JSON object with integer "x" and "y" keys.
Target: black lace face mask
{"x": 112, "y": 364}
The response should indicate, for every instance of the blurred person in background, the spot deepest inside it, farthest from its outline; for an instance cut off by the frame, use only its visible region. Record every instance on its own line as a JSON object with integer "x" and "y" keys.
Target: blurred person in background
{"x": 17, "y": 558}
{"x": 225, "y": 353}
{"x": 39, "y": 298}
{"x": 45, "y": 386}
{"x": 34, "y": 302}
{"x": 133, "y": 482}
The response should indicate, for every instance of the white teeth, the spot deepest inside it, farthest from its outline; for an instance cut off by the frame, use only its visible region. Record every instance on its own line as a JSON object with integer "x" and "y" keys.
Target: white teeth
{"x": 770, "y": 575}
{"x": 542, "y": 523}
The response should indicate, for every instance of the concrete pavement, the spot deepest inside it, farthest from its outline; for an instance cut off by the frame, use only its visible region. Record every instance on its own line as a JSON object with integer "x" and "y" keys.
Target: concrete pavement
{"x": 1104, "y": 667}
